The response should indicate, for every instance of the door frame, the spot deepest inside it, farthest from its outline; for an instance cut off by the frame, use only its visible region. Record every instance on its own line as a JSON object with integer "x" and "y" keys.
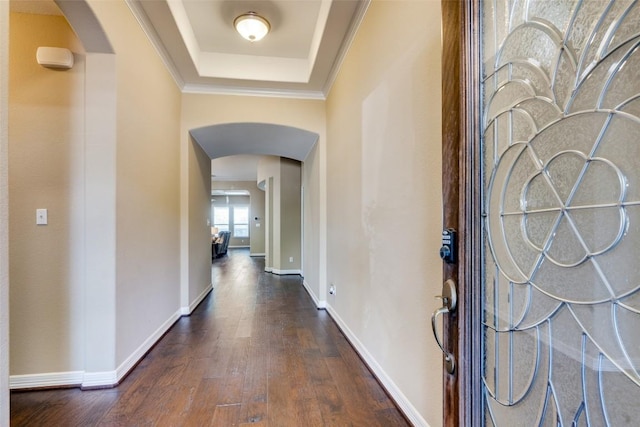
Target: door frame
{"x": 461, "y": 191}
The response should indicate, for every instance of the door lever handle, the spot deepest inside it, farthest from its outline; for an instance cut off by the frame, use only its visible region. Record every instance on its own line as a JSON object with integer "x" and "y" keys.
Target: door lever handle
{"x": 449, "y": 302}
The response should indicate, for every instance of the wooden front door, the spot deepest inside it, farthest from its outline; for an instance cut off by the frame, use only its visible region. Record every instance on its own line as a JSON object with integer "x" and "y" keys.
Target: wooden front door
{"x": 541, "y": 164}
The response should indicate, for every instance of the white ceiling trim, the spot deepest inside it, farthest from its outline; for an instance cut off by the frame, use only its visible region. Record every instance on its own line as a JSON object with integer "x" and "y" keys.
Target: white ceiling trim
{"x": 181, "y": 19}
{"x": 237, "y": 88}
{"x": 154, "y": 38}
{"x": 250, "y": 67}
{"x": 251, "y": 91}
{"x": 346, "y": 45}
{"x": 321, "y": 26}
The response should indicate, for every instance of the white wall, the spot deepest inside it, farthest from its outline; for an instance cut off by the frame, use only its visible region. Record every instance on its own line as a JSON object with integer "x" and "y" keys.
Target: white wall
{"x": 384, "y": 208}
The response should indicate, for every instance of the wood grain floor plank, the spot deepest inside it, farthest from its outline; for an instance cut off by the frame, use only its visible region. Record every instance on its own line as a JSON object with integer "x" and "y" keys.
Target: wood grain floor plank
{"x": 281, "y": 409}
{"x": 309, "y": 413}
{"x": 254, "y": 412}
{"x": 358, "y": 408}
{"x": 226, "y": 416}
{"x": 176, "y": 406}
{"x": 256, "y": 352}
{"x": 254, "y": 393}
{"x": 254, "y": 424}
{"x": 231, "y": 390}
{"x": 204, "y": 404}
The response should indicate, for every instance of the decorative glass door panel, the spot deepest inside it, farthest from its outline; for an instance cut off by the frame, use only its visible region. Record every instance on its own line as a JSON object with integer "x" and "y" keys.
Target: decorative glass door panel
{"x": 561, "y": 209}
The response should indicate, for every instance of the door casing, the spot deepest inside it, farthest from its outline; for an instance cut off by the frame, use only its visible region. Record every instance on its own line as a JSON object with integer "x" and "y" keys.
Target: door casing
{"x": 462, "y": 206}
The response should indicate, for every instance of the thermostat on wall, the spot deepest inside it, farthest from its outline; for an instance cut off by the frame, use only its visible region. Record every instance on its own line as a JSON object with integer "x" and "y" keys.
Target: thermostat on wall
{"x": 55, "y": 57}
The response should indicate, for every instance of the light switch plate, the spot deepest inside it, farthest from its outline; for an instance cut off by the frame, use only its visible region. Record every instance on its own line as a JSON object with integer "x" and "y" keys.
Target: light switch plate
{"x": 41, "y": 217}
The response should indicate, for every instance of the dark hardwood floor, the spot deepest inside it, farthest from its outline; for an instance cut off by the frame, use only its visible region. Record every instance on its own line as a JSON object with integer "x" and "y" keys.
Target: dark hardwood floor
{"x": 255, "y": 352}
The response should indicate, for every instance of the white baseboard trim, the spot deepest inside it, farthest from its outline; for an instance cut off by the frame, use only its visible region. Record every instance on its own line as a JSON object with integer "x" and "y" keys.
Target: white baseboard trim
{"x": 319, "y": 304}
{"x": 238, "y": 246}
{"x": 100, "y": 379}
{"x": 268, "y": 269}
{"x": 186, "y": 311}
{"x": 401, "y": 400}
{"x": 52, "y": 379}
{"x": 257, "y": 254}
{"x": 139, "y": 353}
{"x": 286, "y": 272}
{"x": 92, "y": 379}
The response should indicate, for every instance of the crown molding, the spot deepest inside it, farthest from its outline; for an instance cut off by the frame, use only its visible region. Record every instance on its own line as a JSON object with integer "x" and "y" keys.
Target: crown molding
{"x": 246, "y": 91}
{"x": 145, "y": 23}
{"x": 361, "y": 10}
{"x": 218, "y": 89}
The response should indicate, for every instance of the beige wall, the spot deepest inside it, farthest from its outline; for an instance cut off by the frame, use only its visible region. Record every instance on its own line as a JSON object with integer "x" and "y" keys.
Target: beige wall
{"x": 200, "y": 110}
{"x": 4, "y": 214}
{"x": 379, "y": 136}
{"x": 290, "y": 220}
{"x": 384, "y": 197}
{"x": 314, "y": 212}
{"x": 256, "y": 209}
{"x": 94, "y": 147}
{"x": 269, "y": 174}
{"x": 269, "y": 197}
{"x": 283, "y": 182}
{"x": 200, "y": 219}
{"x": 46, "y": 112}
{"x": 148, "y": 183}
{"x": 100, "y": 216}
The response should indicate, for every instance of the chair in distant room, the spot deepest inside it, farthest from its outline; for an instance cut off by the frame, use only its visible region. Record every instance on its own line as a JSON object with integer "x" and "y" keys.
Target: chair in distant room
{"x": 220, "y": 244}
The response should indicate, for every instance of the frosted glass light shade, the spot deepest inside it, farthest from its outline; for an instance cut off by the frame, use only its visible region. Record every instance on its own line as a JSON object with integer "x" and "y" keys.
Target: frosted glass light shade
{"x": 252, "y": 26}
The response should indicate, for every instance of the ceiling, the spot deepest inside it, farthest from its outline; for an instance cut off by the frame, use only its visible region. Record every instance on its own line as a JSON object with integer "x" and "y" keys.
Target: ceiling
{"x": 197, "y": 41}
{"x": 199, "y": 45}
{"x": 38, "y": 7}
{"x": 298, "y": 58}
{"x": 236, "y": 148}
{"x": 240, "y": 167}
{"x": 229, "y": 139}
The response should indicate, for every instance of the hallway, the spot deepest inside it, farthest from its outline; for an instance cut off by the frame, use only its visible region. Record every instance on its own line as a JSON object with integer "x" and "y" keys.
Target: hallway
{"x": 255, "y": 352}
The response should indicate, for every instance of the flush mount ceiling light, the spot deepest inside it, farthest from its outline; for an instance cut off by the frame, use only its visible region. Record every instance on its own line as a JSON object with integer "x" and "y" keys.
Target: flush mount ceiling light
{"x": 252, "y": 26}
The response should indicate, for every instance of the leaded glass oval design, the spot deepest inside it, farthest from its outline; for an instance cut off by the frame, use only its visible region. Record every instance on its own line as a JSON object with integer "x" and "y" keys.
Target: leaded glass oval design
{"x": 561, "y": 201}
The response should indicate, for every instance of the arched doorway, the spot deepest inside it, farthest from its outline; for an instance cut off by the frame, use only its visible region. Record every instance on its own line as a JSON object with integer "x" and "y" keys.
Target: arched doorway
{"x": 283, "y": 148}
